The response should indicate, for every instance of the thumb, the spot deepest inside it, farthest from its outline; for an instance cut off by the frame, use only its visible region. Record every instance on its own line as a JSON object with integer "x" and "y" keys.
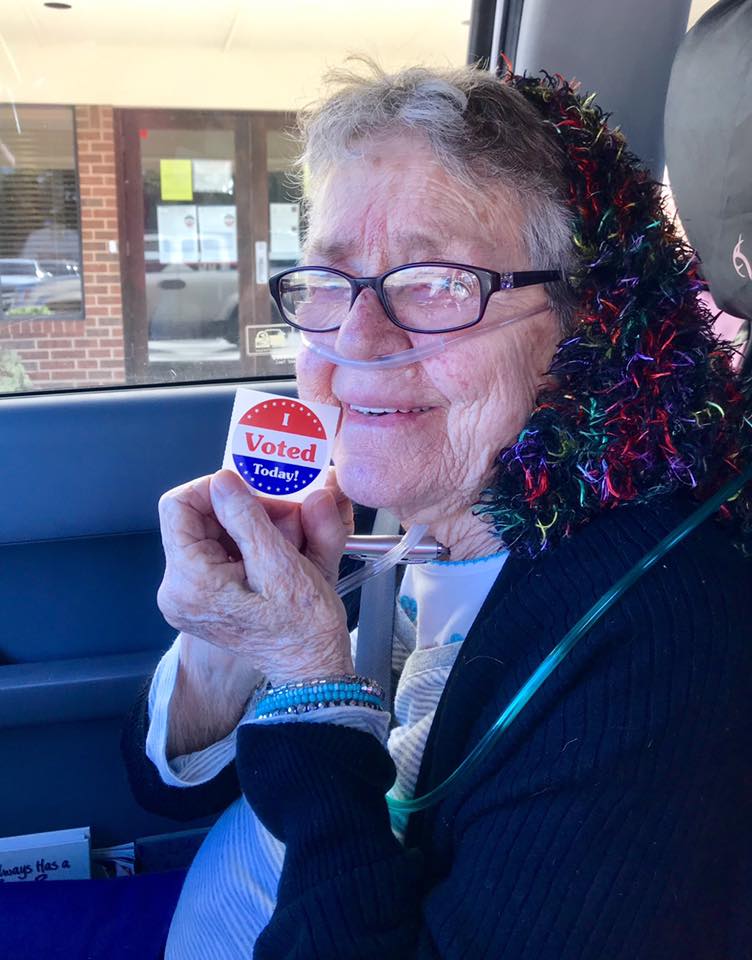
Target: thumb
{"x": 263, "y": 549}
{"x": 325, "y": 532}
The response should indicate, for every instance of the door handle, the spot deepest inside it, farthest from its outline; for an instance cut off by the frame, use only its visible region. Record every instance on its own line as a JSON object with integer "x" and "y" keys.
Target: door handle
{"x": 171, "y": 284}
{"x": 262, "y": 262}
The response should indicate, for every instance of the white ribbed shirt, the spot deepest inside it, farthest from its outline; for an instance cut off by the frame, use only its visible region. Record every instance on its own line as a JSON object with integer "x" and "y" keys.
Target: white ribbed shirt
{"x": 230, "y": 890}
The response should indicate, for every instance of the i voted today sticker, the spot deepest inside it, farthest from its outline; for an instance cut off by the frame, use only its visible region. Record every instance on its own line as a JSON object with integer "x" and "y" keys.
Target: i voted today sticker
{"x": 281, "y": 447}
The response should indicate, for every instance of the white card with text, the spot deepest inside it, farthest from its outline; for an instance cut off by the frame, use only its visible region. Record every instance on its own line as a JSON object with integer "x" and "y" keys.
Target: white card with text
{"x": 56, "y": 855}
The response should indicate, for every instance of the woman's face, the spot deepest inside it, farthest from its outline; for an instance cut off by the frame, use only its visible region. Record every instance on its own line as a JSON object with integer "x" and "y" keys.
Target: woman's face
{"x": 396, "y": 204}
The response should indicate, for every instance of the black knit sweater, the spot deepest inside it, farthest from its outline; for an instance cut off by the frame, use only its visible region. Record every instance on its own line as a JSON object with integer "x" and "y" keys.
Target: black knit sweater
{"x": 613, "y": 820}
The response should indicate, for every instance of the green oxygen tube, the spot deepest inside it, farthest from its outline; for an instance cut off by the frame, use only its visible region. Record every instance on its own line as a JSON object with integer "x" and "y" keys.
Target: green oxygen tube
{"x": 564, "y": 647}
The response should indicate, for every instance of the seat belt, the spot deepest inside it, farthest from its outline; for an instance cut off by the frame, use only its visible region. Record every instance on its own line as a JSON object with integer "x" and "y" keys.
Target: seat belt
{"x": 373, "y": 654}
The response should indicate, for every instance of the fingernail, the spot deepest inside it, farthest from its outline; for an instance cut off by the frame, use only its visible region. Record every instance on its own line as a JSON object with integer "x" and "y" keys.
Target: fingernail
{"x": 313, "y": 499}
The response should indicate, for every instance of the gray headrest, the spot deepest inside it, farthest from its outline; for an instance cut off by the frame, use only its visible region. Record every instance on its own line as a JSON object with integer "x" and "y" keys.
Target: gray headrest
{"x": 708, "y": 133}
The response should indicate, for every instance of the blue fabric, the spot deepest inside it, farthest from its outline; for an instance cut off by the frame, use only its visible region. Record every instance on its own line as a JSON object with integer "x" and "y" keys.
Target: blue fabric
{"x": 115, "y": 919}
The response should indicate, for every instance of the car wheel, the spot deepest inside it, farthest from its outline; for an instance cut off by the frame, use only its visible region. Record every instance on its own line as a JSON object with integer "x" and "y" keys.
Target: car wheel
{"x": 230, "y": 329}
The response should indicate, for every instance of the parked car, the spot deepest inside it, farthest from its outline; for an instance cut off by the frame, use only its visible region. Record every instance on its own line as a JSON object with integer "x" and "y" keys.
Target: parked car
{"x": 60, "y": 268}
{"x": 52, "y": 294}
{"x": 16, "y": 276}
{"x": 185, "y": 302}
{"x": 19, "y": 272}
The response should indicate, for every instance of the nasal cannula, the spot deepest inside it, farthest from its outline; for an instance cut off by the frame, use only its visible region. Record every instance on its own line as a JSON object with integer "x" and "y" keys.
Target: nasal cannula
{"x": 404, "y": 358}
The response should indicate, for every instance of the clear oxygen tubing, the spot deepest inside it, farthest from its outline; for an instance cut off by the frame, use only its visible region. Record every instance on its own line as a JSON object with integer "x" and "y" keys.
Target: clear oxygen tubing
{"x": 404, "y": 358}
{"x": 565, "y": 646}
{"x": 390, "y": 559}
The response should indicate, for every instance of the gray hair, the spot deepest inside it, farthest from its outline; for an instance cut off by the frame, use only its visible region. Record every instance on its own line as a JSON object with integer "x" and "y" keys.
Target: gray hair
{"x": 480, "y": 130}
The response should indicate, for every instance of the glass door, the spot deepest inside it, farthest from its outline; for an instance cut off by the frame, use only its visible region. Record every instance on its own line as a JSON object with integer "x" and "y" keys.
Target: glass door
{"x": 197, "y": 220}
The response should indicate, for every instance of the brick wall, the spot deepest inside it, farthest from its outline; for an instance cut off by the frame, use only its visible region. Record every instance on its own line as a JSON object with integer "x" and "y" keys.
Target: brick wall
{"x": 88, "y": 352}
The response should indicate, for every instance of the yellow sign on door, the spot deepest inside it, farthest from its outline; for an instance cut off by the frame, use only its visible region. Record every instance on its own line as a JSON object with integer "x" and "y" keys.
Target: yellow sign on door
{"x": 176, "y": 181}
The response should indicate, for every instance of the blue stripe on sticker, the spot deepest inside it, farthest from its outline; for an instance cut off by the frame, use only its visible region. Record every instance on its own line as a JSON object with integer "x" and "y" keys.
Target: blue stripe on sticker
{"x": 272, "y": 477}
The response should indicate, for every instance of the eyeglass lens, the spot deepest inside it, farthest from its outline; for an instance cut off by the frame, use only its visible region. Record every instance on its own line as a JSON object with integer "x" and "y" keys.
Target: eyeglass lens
{"x": 422, "y": 298}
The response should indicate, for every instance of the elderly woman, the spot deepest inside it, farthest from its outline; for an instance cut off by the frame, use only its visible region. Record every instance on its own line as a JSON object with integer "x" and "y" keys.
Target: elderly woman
{"x": 577, "y": 402}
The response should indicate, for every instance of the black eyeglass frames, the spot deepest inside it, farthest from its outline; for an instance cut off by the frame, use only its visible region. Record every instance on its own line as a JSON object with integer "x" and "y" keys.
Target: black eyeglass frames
{"x": 427, "y": 297}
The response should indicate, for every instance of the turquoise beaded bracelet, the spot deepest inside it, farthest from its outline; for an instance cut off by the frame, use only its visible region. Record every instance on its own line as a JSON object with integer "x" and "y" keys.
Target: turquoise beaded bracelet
{"x": 316, "y": 694}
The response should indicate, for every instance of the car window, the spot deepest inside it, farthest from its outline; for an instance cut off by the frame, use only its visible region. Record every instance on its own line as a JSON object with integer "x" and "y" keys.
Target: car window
{"x": 147, "y": 180}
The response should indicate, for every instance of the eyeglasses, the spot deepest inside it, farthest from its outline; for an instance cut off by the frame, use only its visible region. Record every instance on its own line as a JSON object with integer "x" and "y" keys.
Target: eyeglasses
{"x": 433, "y": 297}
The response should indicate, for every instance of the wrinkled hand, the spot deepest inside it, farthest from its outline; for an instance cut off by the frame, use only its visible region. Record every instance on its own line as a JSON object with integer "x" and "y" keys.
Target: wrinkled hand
{"x": 255, "y": 577}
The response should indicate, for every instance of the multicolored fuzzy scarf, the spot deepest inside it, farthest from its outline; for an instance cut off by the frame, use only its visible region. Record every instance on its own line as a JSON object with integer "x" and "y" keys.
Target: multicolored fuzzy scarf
{"x": 647, "y": 402}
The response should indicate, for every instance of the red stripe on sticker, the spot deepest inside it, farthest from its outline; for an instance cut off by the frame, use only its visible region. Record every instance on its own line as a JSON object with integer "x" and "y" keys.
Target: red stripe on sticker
{"x": 285, "y": 416}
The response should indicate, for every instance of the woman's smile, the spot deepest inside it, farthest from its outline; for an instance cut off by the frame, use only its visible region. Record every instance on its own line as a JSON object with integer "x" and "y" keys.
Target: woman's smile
{"x": 376, "y": 416}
